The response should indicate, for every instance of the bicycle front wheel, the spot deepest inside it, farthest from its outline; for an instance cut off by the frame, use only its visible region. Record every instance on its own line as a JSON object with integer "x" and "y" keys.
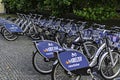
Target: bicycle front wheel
{"x": 34, "y": 35}
{"x": 90, "y": 47}
{"x": 108, "y": 70}
{"x": 9, "y": 36}
{"x": 61, "y": 74}
{"x": 41, "y": 65}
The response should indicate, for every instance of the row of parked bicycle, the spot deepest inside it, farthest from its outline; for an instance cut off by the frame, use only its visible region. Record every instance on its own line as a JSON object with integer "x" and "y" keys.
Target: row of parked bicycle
{"x": 67, "y": 49}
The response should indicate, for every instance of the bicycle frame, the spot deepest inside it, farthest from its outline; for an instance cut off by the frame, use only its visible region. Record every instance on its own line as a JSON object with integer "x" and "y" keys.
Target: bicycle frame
{"x": 97, "y": 55}
{"x": 81, "y": 38}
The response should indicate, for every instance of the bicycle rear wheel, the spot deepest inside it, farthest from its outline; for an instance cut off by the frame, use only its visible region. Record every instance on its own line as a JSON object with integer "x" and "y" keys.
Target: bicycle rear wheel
{"x": 41, "y": 65}
{"x": 109, "y": 71}
{"x": 34, "y": 35}
{"x": 59, "y": 73}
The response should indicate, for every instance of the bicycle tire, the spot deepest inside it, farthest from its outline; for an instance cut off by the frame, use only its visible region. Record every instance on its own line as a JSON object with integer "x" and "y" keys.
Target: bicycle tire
{"x": 2, "y": 28}
{"x": 58, "y": 73}
{"x": 107, "y": 67}
{"x": 34, "y": 35}
{"x": 96, "y": 77}
{"x": 41, "y": 66}
{"x": 9, "y": 36}
{"x": 91, "y": 46}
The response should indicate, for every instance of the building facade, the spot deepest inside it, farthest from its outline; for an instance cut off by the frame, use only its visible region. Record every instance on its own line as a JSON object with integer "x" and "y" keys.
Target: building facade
{"x": 2, "y": 8}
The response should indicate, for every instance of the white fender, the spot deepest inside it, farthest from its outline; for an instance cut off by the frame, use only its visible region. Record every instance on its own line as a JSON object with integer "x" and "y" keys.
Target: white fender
{"x": 102, "y": 60}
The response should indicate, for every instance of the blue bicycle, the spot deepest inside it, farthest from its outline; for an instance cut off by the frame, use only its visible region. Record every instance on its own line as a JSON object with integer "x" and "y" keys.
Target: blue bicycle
{"x": 71, "y": 64}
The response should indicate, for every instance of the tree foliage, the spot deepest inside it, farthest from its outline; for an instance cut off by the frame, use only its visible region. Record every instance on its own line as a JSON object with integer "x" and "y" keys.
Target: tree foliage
{"x": 89, "y": 9}
{"x": 97, "y": 13}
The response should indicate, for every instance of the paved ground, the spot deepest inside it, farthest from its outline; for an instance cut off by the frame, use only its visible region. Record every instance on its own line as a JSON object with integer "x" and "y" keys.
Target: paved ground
{"x": 16, "y": 60}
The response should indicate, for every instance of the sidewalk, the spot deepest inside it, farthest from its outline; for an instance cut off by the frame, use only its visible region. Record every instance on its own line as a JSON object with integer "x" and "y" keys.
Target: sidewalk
{"x": 16, "y": 60}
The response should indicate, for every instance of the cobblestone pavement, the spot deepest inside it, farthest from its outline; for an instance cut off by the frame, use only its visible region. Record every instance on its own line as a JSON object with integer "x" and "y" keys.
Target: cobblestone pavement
{"x": 16, "y": 60}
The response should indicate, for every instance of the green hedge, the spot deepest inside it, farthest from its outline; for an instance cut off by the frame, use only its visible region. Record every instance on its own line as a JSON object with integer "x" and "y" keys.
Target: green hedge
{"x": 88, "y": 9}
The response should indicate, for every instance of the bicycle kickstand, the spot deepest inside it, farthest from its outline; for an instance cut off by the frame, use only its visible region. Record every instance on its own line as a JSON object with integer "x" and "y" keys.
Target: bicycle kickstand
{"x": 89, "y": 72}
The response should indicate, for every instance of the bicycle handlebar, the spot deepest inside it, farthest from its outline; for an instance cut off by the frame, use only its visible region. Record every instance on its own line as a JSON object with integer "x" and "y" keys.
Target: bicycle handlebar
{"x": 116, "y": 28}
{"x": 71, "y": 20}
{"x": 100, "y": 26}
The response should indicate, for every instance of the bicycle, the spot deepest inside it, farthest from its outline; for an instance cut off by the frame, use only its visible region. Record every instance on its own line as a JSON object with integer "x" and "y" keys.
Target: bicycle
{"x": 84, "y": 41}
{"x": 74, "y": 63}
{"x": 11, "y": 31}
{"x": 37, "y": 54}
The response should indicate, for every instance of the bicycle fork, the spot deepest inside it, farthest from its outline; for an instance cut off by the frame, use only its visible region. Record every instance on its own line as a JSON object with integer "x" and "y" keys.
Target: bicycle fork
{"x": 111, "y": 57}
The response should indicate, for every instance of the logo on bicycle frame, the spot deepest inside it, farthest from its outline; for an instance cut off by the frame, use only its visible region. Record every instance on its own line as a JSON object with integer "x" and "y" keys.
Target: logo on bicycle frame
{"x": 47, "y": 48}
{"x": 13, "y": 27}
{"x": 74, "y": 59}
{"x": 51, "y": 48}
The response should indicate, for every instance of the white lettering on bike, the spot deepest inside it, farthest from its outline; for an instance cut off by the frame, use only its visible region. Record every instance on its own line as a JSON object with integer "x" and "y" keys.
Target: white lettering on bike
{"x": 50, "y": 44}
{"x": 49, "y": 53}
{"x": 13, "y": 28}
{"x": 74, "y": 60}
{"x": 73, "y": 54}
{"x": 73, "y": 65}
{"x": 49, "y": 49}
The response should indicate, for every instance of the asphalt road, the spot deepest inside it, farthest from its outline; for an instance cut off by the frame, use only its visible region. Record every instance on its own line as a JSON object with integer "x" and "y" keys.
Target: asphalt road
{"x": 16, "y": 60}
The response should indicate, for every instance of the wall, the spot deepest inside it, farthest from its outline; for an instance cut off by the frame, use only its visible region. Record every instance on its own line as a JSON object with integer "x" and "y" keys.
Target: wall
{"x": 2, "y": 9}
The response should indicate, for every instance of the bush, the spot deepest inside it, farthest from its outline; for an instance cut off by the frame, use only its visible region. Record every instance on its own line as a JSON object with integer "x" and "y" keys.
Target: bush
{"x": 97, "y": 13}
{"x": 88, "y": 9}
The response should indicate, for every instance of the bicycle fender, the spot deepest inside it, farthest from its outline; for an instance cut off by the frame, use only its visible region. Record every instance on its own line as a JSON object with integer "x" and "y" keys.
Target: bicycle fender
{"x": 102, "y": 60}
{"x": 55, "y": 63}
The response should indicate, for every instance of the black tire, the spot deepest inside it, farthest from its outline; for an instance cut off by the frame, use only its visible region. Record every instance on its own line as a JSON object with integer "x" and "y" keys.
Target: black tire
{"x": 9, "y": 36}
{"x": 58, "y": 73}
{"x": 2, "y": 28}
{"x": 107, "y": 70}
{"x": 96, "y": 77}
{"x": 33, "y": 35}
{"x": 40, "y": 65}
